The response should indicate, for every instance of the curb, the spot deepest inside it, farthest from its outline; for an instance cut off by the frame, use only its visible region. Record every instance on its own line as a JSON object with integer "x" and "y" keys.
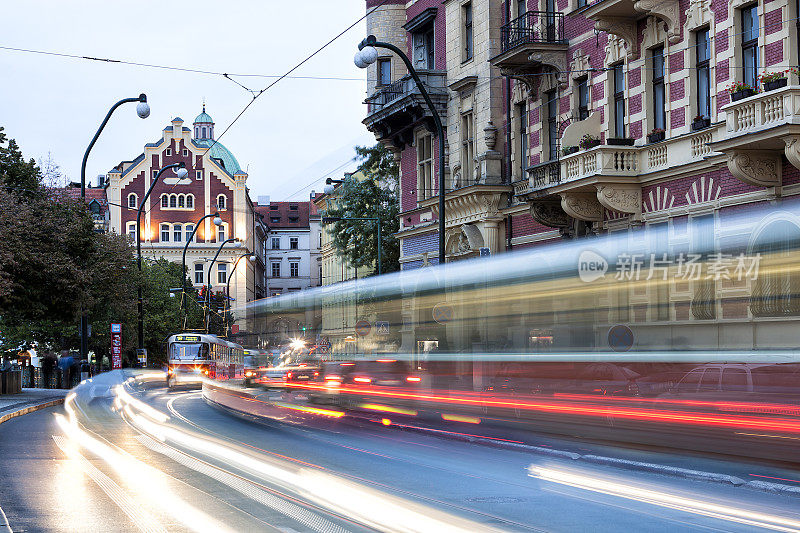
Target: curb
{"x": 30, "y": 409}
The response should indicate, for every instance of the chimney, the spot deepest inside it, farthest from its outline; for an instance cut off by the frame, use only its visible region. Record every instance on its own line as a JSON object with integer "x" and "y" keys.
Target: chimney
{"x": 101, "y": 179}
{"x": 263, "y": 200}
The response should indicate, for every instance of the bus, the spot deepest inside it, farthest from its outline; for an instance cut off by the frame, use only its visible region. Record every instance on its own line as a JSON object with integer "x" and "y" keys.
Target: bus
{"x": 194, "y": 357}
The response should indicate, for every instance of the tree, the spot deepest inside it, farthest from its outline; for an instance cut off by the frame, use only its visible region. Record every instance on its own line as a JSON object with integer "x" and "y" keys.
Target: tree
{"x": 371, "y": 191}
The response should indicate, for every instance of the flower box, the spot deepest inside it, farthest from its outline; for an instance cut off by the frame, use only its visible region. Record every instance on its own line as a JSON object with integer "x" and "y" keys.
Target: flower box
{"x": 775, "y": 84}
{"x": 741, "y": 94}
{"x": 700, "y": 123}
{"x": 619, "y": 141}
{"x": 567, "y": 150}
{"x": 656, "y": 136}
{"x": 587, "y": 142}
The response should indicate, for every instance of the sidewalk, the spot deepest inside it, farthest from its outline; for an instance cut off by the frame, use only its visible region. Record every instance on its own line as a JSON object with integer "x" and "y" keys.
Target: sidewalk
{"x": 29, "y": 400}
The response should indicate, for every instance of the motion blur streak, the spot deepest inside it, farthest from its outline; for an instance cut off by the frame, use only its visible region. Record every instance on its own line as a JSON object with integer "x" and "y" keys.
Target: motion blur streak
{"x": 459, "y": 418}
{"x": 363, "y": 504}
{"x": 387, "y": 409}
{"x": 663, "y": 499}
{"x": 148, "y": 483}
{"x": 126, "y": 398}
{"x": 312, "y": 410}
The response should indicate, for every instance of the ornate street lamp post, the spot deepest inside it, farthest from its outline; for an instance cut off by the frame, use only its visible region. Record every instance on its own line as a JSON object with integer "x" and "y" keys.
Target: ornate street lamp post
{"x": 210, "y": 268}
{"x": 252, "y": 259}
{"x": 218, "y": 222}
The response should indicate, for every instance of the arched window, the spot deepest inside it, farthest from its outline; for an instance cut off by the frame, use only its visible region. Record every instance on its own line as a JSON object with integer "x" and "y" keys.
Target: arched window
{"x": 173, "y": 200}
{"x": 181, "y": 200}
{"x": 177, "y": 233}
{"x": 132, "y": 200}
{"x": 204, "y": 132}
{"x": 164, "y": 200}
{"x": 95, "y": 208}
{"x": 776, "y": 283}
{"x": 164, "y": 232}
{"x": 190, "y": 201}
{"x": 221, "y": 200}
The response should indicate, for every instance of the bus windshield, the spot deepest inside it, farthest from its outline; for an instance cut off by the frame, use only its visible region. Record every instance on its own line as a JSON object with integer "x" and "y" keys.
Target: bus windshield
{"x": 189, "y": 351}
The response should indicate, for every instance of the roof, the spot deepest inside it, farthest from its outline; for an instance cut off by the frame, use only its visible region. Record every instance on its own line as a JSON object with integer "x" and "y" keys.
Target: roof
{"x": 219, "y": 153}
{"x": 280, "y": 215}
{"x": 203, "y": 117}
{"x": 177, "y": 119}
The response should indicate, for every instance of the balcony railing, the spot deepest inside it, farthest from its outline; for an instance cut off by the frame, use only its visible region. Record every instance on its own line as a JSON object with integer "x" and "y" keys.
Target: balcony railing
{"x": 434, "y": 82}
{"x": 764, "y": 110}
{"x": 545, "y": 174}
{"x": 533, "y": 27}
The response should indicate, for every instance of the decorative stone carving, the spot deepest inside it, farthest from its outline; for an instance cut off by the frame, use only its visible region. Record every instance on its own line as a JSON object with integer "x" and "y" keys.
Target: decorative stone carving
{"x": 582, "y": 205}
{"x": 456, "y": 172}
{"x": 462, "y": 240}
{"x": 666, "y": 10}
{"x": 702, "y": 191}
{"x": 756, "y": 167}
{"x": 624, "y": 42}
{"x": 490, "y": 135}
{"x": 792, "y": 150}
{"x": 654, "y": 33}
{"x": 557, "y": 60}
{"x": 580, "y": 65}
{"x": 622, "y": 198}
{"x": 698, "y": 14}
{"x": 550, "y": 214}
{"x": 519, "y": 93}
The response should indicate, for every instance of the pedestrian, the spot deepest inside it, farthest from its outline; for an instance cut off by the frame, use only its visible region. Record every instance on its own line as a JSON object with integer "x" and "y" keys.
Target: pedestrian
{"x": 48, "y": 367}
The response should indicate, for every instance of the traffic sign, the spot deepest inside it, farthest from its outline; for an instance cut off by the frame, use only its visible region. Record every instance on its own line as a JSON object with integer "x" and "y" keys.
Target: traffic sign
{"x": 620, "y": 338}
{"x": 363, "y": 328}
{"x": 382, "y": 327}
{"x": 323, "y": 345}
{"x": 442, "y": 313}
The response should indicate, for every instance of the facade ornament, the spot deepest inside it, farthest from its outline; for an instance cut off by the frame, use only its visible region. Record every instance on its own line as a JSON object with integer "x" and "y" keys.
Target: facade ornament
{"x": 550, "y": 214}
{"x": 490, "y": 135}
{"x": 556, "y": 60}
{"x": 456, "y": 171}
{"x": 621, "y": 198}
{"x": 756, "y": 167}
{"x": 666, "y": 10}
{"x": 698, "y": 14}
{"x": 654, "y": 33}
{"x": 659, "y": 199}
{"x": 580, "y": 65}
{"x": 623, "y": 42}
{"x": 520, "y": 92}
{"x": 582, "y": 205}
{"x": 703, "y": 191}
{"x": 792, "y": 150}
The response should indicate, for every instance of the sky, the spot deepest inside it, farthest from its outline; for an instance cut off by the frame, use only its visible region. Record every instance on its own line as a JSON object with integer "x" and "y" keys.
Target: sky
{"x": 292, "y": 137}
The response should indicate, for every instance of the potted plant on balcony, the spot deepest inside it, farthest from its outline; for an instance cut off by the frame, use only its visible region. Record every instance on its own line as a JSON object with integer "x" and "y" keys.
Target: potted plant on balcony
{"x": 567, "y": 150}
{"x": 588, "y": 141}
{"x": 774, "y": 80}
{"x": 657, "y": 135}
{"x": 739, "y": 90}
{"x": 700, "y": 122}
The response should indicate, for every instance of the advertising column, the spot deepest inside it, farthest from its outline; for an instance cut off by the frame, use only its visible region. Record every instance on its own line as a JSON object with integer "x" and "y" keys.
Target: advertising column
{"x": 116, "y": 346}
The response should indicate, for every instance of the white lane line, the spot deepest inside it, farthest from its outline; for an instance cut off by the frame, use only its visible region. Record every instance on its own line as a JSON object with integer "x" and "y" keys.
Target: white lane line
{"x": 139, "y": 516}
{"x": 5, "y": 527}
{"x": 295, "y": 512}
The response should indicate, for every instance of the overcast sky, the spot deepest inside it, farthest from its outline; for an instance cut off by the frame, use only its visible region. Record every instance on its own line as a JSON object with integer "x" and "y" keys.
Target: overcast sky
{"x": 288, "y": 140}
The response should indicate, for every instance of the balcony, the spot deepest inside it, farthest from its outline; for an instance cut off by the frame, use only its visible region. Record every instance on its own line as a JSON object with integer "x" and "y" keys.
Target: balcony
{"x": 530, "y": 41}
{"x": 758, "y": 130}
{"x": 393, "y": 111}
{"x": 619, "y": 17}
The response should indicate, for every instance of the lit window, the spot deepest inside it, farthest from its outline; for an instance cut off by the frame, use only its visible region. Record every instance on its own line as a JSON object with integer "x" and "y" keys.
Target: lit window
{"x": 198, "y": 273}
{"x": 222, "y": 273}
{"x": 164, "y": 232}
{"x": 177, "y": 233}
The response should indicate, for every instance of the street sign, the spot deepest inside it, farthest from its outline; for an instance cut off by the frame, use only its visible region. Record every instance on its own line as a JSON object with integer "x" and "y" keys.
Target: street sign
{"x": 323, "y": 345}
{"x": 382, "y": 327}
{"x": 620, "y": 338}
{"x": 442, "y": 313}
{"x": 363, "y": 328}
{"x": 116, "y": 346}
{"x": 235, "y": 329}
{"x": 141, "y": 354}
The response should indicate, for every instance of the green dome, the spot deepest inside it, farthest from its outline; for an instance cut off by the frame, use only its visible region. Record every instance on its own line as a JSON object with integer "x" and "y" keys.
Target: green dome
{"x": 220, "y": 153}
{"x": 204, "y": 117}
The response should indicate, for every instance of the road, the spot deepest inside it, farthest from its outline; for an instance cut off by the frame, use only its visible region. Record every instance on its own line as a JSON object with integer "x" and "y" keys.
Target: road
{"x": 142, "y": 458}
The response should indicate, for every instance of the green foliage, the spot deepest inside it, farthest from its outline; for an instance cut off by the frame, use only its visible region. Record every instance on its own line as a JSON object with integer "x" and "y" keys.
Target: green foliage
{"x": 375, "y": 196}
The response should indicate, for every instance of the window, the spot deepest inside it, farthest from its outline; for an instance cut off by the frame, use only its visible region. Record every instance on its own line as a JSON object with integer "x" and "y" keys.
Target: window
{"x": 189, "y": 228}
{"x": 294, "y": 243}
{"x": 659, "y": 93}
{"x": 750, "y": 45}
{"x": 173, "y": 200}
{"x": 293, "y": 207}
{"x": 190, "y": 201}
{"x": 222, "y": 273}
{"x": 522, "y": 132}
{"x": 155, "y": 173}
{"x": 132, "y": 200}
{"x": 551, "y": 107}
{"x": 293, "y": 219}
{"x": 181, "y": 200}
{"x": 776, "y": 289}
{"x": 273, "y": 208}
{"x": 198, "y": 273}
{"x": 734, "y": 379}
{"x": 294, "y": 269}
{"x": 132, "y": 230}
{"x": 276, "y": 243}
{"x": 466, "y": 10}
{"x": 276, "y": 270}
{"x": 550, "y": 8}
{"x": 703, "y": 55}
{"x": 221, "y": 233}
{"x": 203, "y": 132}
{"x": 424, "y": 166}
{"x": 619, "y": 100}
{"x": 164, "y": 232}
{"x": 168, "y": 152}
{"x": 384, "y": 71}
{"x": 198, "y": 174}
{"x": 177, "y": 233}
{"x": 164, "y": 200}
{"x": 522, "y": 8}
{"x": 583, "y": 98}
{"x": 467, "y": 148}
{"x": 710, "y": 381}
{"x": 185, "y": 152}
{"x": 423, "y": 48}
{"x": 581, "y": 3}
{"x": 275, "y": 220}
{"x": 221, "y": 201}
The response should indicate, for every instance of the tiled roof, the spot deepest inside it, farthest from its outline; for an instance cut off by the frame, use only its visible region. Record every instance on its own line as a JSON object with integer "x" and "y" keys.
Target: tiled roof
{"x": 280, "y": 215}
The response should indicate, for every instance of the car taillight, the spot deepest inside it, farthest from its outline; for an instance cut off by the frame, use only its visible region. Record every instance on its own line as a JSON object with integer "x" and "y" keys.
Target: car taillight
{"x": 288, "y": 375}
{"x": 362, "y": 380}
{"x": 413, "y": 379}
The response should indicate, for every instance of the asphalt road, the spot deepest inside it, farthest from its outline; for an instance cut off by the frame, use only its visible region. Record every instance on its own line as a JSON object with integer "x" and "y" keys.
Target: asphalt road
{"x": 145, "y": 459}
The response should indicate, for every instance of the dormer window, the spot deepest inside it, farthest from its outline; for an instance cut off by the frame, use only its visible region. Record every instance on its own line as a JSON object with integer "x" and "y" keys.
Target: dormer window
{"x": 185, "y": 152}
{"x": 168, "y": 152}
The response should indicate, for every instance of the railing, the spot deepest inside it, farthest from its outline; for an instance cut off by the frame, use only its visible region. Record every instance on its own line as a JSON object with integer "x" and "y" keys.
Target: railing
{"x": 763, "y": 110}
{"x": 545, "y": 174}
{"x": 433, "y": 80}
{"x": 533, "y": 27}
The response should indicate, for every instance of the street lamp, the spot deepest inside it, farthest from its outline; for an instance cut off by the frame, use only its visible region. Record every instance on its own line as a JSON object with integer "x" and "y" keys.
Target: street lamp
{"x": 330, "y": 184}
{"x": 143, "y": 110}
{"x": 210, "y": 267}
{"x": 180, "y": 170}
{"x": 366, "y": 55}
{"x": 218, "y": 222}
{"x": 377, "y": 220}
{"x": 252, "y": 259}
